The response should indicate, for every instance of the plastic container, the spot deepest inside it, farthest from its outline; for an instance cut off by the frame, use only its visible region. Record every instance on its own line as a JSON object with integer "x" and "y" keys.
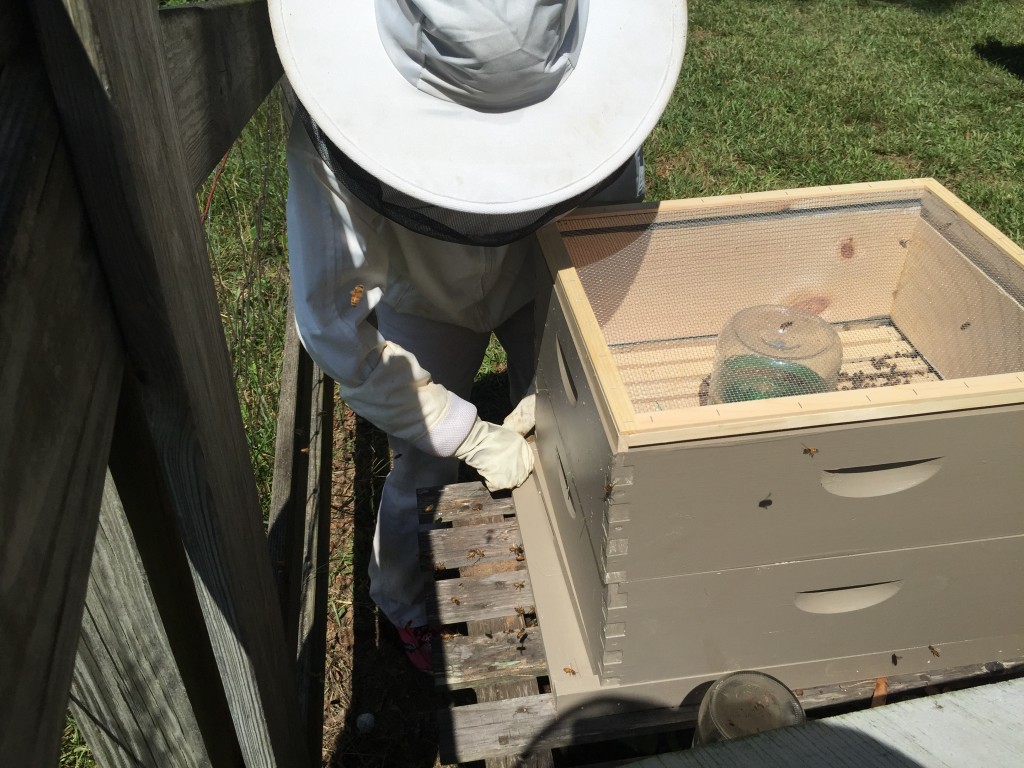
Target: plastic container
{"x": 745, "y": 703}
{"x": 774, "y": 351}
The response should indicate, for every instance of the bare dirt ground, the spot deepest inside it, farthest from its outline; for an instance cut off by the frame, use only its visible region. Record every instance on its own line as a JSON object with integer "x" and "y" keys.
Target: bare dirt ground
{"x": 366, "y": 671}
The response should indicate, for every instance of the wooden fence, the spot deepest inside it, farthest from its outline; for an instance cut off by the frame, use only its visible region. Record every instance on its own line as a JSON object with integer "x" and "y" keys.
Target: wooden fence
{"x": 135, "y": 575}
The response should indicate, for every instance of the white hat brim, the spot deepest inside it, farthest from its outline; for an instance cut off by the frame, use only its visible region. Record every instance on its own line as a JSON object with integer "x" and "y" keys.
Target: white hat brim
{"x": 483, "y": 162}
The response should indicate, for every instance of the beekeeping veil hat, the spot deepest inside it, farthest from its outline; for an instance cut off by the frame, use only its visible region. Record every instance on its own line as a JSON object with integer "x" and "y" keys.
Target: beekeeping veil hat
{"x": 493, "y": 107}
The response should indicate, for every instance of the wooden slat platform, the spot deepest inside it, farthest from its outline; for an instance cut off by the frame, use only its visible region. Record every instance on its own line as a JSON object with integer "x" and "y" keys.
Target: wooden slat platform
{"x": 493, "y": 644}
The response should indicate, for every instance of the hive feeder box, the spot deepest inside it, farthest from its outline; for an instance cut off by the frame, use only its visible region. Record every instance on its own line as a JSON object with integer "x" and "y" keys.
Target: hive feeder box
{"x": 821, "y": 538}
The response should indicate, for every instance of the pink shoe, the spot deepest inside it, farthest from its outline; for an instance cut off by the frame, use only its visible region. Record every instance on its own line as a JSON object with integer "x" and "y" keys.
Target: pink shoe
{"x": 416, "y": 641}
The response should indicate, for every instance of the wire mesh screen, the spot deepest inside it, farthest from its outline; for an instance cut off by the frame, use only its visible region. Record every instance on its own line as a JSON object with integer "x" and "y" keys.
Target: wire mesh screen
{"x": 909, "y": 290}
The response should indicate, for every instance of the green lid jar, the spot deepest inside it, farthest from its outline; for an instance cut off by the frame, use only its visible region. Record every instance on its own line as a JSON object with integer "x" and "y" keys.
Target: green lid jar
{"x": 774, "y": 351}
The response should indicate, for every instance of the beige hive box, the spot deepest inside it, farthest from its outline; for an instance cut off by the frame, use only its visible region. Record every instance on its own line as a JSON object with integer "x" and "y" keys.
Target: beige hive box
{"x": 821, "y": 537}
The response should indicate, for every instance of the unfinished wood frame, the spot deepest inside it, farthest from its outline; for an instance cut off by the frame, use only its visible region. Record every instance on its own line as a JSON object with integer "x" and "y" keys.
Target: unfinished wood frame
{"x": 929, "y": 259}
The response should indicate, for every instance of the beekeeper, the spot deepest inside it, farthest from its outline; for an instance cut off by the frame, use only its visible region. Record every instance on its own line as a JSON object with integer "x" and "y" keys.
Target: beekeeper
{"x": 436, "y": 137}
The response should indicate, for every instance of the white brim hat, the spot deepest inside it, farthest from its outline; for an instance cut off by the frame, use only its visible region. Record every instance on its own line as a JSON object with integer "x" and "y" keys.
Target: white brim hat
{"x": 343, "y": 69}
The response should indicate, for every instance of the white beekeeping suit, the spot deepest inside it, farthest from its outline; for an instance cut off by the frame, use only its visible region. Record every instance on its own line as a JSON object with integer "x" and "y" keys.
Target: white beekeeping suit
{"x": 436, "y": 136}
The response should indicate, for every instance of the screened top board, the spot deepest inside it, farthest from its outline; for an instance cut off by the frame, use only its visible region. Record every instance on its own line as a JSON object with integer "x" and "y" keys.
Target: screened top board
{"x": 926, "y": 298}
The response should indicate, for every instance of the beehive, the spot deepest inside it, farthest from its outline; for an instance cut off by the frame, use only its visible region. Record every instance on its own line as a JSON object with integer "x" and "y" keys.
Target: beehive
{"x": 820, "y": 537}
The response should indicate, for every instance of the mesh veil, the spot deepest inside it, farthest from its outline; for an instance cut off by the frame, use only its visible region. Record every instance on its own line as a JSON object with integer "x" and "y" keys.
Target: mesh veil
{"x": 487, "y": 230}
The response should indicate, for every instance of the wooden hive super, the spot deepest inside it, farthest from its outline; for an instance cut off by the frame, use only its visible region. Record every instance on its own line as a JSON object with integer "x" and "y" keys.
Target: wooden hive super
{"x": 822, "y": 538}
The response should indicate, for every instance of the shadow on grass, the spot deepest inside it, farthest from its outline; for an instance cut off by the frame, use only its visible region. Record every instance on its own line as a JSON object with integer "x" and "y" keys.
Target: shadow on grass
{"x": 1009, "y": 57}
{"x": 933, "y": 7}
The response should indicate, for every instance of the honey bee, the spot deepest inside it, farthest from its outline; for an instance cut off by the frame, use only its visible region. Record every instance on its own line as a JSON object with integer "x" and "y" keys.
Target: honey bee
{"x": 439, "y": 567}
{"x": 934, "y": 650}
{"x": 517, "y": 550}
{"x": 456, "y": 601}
{"x": 475, "y": 554}
{"x": 449, "y": 635}
{"x": 569, "y": 671}
{"x": 356, "y": 296}
{"x": 896, "y": 659}
{"x": 520, "y": 610}
{"x": 519, "y": 584}
{"x": 609, "y": 487}
{"x": 521, "y": 635}
{"x": 810, "y": 451}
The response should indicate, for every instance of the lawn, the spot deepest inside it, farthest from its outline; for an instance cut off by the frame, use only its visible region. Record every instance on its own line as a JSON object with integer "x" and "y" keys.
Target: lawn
{"x": 774, "y": 94}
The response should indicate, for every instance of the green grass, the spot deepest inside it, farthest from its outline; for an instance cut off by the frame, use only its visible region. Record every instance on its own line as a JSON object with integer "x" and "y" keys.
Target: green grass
{"x": 778, "y": 94}
{"x": 245, "y": 229}
{"x": 774, "y": 94}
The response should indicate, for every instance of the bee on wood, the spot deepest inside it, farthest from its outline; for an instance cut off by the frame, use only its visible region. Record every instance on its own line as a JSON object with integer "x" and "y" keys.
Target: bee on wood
{"x": 609, "y": 488}
{"x": 519, "y": 585}
{"x": 521, "y": 635}
{"x": 439, "y": 567}
{"x": 520, "y": 610}
{"x": 456, "y": 601}
{"x": 810, "y": 451}
{"x": 569, "y": 671}
{"x": 449, "y": 635}
{"x": 517, "y": 550}
{"x": 934, "y": 650}
{"x": 356, "y": 296}
{"x": 475, "y": 554}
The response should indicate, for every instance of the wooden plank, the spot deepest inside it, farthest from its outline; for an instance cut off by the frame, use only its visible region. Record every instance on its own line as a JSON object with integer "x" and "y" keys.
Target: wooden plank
{"x": 109, "y": 77}
{"x": 222, "y": 63}
{"x": 487, "y": 597}
{"x": 957, "y": 316}
{"x": 861, "y": 690}
{"x": 59, "y": 382}
{"x": 492, "y": 574}
{"x": 471, "y": 545}
{"x": 524, "y": 725}
{"x": 149, "y": 510}
{"x": 314, "y": 574}
{"x": 286, "y": 519}
{"x": 460, "y": 503}
{"x": 127, "y": 696}
{"x": 13, "y": 28}
{"x": 499, "y": 658}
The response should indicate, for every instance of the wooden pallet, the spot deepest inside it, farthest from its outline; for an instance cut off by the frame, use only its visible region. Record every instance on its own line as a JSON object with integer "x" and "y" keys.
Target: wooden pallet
{"x": 492, "y": 643}
{"x": 484, "y": 600}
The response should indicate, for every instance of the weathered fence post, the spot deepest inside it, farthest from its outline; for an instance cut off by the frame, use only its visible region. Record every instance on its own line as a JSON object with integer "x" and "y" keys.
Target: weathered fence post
{"x": 107, "y": 71}
{"x": 60, "y": 373}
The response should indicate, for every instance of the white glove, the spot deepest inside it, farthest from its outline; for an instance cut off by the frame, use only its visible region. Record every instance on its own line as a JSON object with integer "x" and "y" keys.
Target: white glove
{"x": 523, "y": 417}
{"x": 501, "y": 455}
